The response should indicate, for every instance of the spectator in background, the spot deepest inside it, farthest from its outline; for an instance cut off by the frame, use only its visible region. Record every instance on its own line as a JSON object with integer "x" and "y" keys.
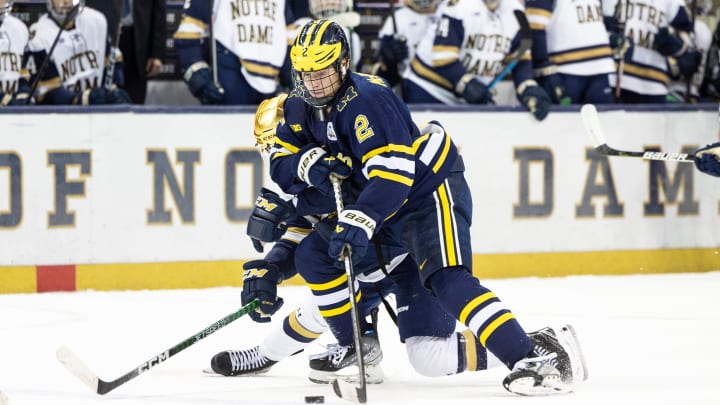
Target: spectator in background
{"x": 399, "y": 37}
{"x": 456, "y": 63}
{"x": 142, "y": 42}
{"x": 659, "y": 35}
{"x": 75, "y": 68}
{"x": 701, "y": 40}
{"x": 250, "y": 49}
{"x": 571, "y": 55}
{"x": 13, "y": 39}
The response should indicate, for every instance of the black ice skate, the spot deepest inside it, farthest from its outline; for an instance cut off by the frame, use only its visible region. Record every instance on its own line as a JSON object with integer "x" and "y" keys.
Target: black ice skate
{"x": 341, "y": 362}
{"x": 553, "y": 367}
{"x": 241, "y": 362}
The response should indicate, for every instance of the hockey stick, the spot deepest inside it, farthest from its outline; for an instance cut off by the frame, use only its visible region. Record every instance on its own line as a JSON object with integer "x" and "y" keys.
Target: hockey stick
{"x": 525, "y": 44}
{"x": 46, "y": 61}
{"x": 345, "y": 389}
{"x": 592, "y": 125}
{"x": 213, "y": 46}
{"x": 114, "y": 48}
{"x": 101, "y": 387}
{"x": 621, "y": 28}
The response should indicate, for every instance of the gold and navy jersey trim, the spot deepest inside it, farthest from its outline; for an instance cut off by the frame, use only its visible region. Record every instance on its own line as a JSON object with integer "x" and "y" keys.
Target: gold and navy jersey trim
{"x": 485, "y": 314}
{"x": 260, "y": 69}
{"x": 645, "y": 73}
{"x": 294, "y": 329}
{"x": 333, "y": 297}
{"x": 426, "y": 72}
{"x": 581, "y": 54}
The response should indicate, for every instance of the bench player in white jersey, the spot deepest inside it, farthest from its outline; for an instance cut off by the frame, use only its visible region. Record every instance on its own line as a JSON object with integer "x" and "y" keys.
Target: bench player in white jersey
{"x": 702, "y": 40}
{"x": 659, "y": 34}
{"x": 13, "y": 39}
{"x": 454, "y": 64}
{"x": 571, "y": 54}
{"x": 250, "y": 44}
{"x": 76, "y": 69}
{"x": 400, "y": 35}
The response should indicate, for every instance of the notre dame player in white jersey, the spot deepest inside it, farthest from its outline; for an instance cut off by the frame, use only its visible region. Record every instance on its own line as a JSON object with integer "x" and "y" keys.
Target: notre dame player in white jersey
{"x": 400, "y": 35}
{"x": 571, "y": 54}
{"x": 250, "y": 44}
{"x": 76, "y": 68}
{"x": 659, "y": 32}
{"x": 13, "y": 39}
{"x": 702, "y": 40}
{"x": 455, "y": 63}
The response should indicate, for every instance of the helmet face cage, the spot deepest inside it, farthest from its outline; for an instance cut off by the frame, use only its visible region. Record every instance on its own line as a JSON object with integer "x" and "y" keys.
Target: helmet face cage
{"x": 319, "y": 61}
{"x": 422, "y": 5}
{"x": 702, "y": 7}
{"x": 5, "y": 8}
{"x": 60, "y": 12}
{"x": 328, "y": 8}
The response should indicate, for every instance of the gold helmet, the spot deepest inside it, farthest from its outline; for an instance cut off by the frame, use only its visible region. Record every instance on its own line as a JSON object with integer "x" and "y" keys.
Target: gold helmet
{"x": 422, "y": 6}
{"x": 269, "y": 113}
{"x": 319, "y": 44}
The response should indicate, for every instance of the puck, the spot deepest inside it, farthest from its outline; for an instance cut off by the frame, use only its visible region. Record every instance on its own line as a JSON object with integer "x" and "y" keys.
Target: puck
{"x": 317, "y": 399}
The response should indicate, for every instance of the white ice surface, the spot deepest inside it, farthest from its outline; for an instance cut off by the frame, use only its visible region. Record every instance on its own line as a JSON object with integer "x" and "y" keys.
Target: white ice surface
{"x": 647, "y": 339}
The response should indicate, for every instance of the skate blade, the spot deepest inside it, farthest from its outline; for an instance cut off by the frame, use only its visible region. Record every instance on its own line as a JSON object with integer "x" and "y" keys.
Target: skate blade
{"x": 528, "y": 386}
{"x": 568, "y": 340}
{"x": 373, "y": 375}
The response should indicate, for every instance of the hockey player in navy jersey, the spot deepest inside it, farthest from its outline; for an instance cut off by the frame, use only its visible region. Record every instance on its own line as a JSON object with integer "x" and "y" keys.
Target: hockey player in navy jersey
{"x": 433, "y": 346}
{"x": 76, "y": 69}
{"x": 403, "y": 185}
{"x": 571, "y": 54}
{"x": 13, "y": 39}
{"x": 250, "y": 44}
{"x": 468, "y": 49}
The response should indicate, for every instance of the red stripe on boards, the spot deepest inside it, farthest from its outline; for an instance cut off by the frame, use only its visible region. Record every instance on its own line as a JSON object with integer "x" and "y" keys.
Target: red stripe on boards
{"x": 55, "y": 278}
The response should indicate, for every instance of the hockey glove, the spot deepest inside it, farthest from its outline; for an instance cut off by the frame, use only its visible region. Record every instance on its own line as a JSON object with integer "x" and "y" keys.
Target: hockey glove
{"x": 314, "y": 167}
{"x": 393, "y": 49}
{"x": 668, "y": 43}
{"x": 200, "y": 83}
{"x": 118, "y": 96}
{"x": 15, "y": 99}
{"x": 622, "y": 46}
{"x": 551, "y": 81}
{"x": 354, "y": 228}
{"x": 260, "y": 280}
{"x": 267, "y": 222}
{"x": 689, "y": 62}
{"x": 707, "y": 159}
{"x": 473, "y": 90}
{"x": 535, "y": 99}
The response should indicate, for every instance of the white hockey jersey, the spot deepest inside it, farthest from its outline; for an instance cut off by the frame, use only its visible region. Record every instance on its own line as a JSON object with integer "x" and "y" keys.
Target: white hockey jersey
{"x": 411, "y": 25}
{"x": 647, "y": 72}
{"x": 467, "y": 31}
{"x": 13, "y": 39}
{"x": 78, "y": 60}
{"x": 254, "y": 31}
{"x": 703, "y": 41}
{"x": 577, "y": 42}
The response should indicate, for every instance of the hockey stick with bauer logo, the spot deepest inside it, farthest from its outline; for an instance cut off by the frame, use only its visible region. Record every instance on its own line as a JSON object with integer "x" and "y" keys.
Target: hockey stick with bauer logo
{"x": 592, "y": 125}
{"x": 345, "y": 389}
{"x": 525, "y": 45}
{"x": 101, "y": 387}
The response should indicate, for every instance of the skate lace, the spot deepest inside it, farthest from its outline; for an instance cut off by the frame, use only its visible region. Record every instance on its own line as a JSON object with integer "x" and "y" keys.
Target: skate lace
{"x": 336, "y": 353}
{"x": 535, "y": 363}
{"x": 246, "y": 359}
